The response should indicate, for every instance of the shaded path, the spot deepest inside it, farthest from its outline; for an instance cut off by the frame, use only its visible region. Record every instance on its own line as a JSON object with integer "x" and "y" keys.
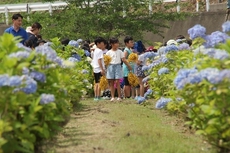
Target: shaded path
{"x": 124, "y": 127}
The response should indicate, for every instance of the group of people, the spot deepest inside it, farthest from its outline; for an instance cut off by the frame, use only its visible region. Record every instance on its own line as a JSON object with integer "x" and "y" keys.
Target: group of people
{"x": 118, "y": 69}
{"x": 30, "y": 37}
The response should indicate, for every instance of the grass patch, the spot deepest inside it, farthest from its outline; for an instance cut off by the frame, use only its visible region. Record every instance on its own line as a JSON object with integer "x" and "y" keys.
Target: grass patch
{"x": 122, "y": 127}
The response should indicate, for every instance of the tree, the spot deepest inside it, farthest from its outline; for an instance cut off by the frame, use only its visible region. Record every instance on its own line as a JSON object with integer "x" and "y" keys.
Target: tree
{"x": 88, "y": 19}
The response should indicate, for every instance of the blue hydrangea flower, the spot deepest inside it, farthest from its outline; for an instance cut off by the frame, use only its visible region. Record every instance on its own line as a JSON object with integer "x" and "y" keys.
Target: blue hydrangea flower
{"x": 30, "y": 85}
{"x": 38, "y": 76}
{"x": 145, "y": 68}
{"x": 87, "y": 53}
{"x": 148, "y": 92}
{"x": 73, "y": 43}
{"x": 15, "y": 81}
{"x": 84, "y": 71}
{"x": 194, "y": 78}
{"x": 197, "y": 31}
{"x": 46, "y": 51}
{"x": 58, "y": 60}
{"x": 161, "y": 50}
{"x": 150, "y": 55}
{"x": 181, "y": 79}
{"x": 162, "y": 102}
{"x": 140, "y": 100}
{"x": 75, "y": 55}
{"x": 224, "y": 74}
{"x": 211, "y": 75}
{"x": 215, "y": 38}
{"x": 4, "y": 80}
{"x": 163, "y": 70}
{"x": 146, "y": 79}
{"x": 23, "y": 47}
{"x": 226, "y": 26}
{"x": 25, "y": 71}
{"x": 164, "y": 59}
{"x": 170, "y": 48}
{"x": 46, "y": 98}
{"x": 20, "y": 54}
{"x": 72, "y": 59}
{"x": 184, "y": 46}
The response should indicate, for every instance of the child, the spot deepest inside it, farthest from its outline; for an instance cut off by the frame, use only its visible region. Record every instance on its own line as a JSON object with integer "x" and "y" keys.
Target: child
{"x": 114, "y": 70}
{"x": 127, "y": 51}
{"x": 140, "y": 74}
{"x": 98, "y": 65}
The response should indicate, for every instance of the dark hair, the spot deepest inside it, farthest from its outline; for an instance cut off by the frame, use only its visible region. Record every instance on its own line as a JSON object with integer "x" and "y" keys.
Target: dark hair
{"x": 41, "y": 41}
{"x": 39, "y": 36}
{"x": 36, "y": 25}
{"x": 65, "y": 41}
{"x": 29, "y": 43}
{"x": 127, "y": 39}
{"x": 99, "y": 40}
{"x": 85, "y": 46}
{"x": 113, "y": 40}
{"x": 189, "y": 41}
{"x": 16, "y": 16}
{"x": 180, "y": 37}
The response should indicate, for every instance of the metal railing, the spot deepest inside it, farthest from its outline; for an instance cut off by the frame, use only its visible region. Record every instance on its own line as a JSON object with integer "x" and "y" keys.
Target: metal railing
{"x": 32, "y": 7}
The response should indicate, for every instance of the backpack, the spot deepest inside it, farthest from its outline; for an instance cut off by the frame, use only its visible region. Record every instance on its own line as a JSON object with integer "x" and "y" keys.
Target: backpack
{"x": 139, "y": 47}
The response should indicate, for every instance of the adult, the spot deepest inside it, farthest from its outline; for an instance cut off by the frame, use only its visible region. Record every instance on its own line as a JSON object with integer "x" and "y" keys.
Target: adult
{"x": 33, "y": 33}
{"x": 16, "y": 29}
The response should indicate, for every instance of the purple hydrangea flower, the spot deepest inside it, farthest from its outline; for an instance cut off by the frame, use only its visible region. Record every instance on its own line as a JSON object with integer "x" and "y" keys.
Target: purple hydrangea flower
{"x": 58, "y": 60}
{"x": 38, "y": 76}
{"x": 197, "y": 31}
{"x": 184, "y": 46}
{"x": 4, "y": 80}
{"x": 163, "y": 70}
{"x": 46, "y": 98}
{"x": 226, "y": 26}
{"x": 20, "y": 54}
{"x": 20, "y": 45}
{"x": 15, "y": 81}
{"x": 162, "y": 102}
{"x": 170, "y": 48}
{"x": 215, "y": 38}
{"x": 210, "y": 74}
{"x": 87, "y": 53}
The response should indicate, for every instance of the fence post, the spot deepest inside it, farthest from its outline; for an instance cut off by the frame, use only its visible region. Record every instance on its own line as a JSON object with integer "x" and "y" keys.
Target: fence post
{"x": 7, "y": 15}
{"x": 178, "y": 6}
{"x": 50, "y": 9}
{"x": 197, "y": 5}
{"x": 28, "y": 12}
{"x": 207, "y": 5}
{"x": 150, "y": 7}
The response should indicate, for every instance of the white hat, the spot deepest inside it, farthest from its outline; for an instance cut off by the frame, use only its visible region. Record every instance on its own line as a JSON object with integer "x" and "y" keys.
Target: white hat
{"x": 171, "y": 42}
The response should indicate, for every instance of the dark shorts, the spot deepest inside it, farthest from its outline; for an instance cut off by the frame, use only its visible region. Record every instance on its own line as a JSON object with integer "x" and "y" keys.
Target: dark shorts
{"x": 139, "y": 71}
{"x": 97, "y": 77}
{"x": 126, "y": 81}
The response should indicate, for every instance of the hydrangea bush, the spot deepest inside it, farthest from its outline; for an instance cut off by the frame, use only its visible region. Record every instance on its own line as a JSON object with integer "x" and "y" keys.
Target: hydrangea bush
{"x": 38, "y": 89}
{"x": 194, "y": 81}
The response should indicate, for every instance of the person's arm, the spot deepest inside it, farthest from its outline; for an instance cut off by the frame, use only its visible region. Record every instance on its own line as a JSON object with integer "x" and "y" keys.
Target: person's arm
{"x": 125, "y": 57}
{"x": 101, "y": 67}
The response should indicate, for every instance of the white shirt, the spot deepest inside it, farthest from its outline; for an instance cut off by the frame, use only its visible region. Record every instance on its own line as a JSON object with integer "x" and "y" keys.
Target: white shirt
{"x": 98, "y": 54}
{"x": 142, "y": 59}
{"x": 116, "y": 56}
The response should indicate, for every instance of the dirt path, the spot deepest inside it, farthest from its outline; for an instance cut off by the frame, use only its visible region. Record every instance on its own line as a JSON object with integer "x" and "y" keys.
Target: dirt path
{"x": 106, "y": 127}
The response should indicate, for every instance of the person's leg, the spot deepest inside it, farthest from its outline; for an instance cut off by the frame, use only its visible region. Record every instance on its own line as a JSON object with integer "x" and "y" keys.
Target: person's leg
{"x": 118, "y": 89}
{"x": 133, "y": 92}
{"x": 111, "y": 85}
{"x": 137, "y": 89}
{"x": 126, "y": 87}
{"x": 141, "y": 87}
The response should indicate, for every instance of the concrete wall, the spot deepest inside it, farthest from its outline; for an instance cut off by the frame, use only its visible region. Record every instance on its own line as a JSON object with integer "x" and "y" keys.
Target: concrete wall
{"x": 211, "y": 20}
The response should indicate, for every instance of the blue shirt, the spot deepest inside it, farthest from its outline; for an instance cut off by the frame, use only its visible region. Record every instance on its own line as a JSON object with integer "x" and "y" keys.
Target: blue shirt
{"x": 21, "y": 32}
